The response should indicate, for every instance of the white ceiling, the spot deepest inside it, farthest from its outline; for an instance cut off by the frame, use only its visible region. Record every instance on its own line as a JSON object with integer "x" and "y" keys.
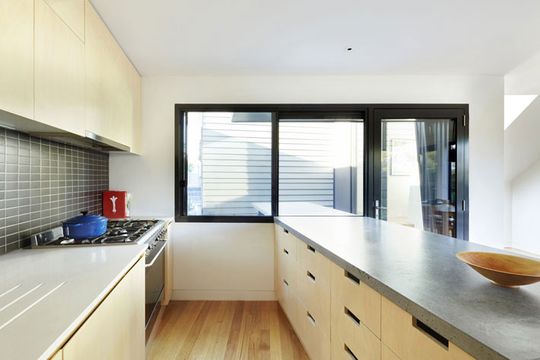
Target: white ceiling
{"x": 267, "y": 37}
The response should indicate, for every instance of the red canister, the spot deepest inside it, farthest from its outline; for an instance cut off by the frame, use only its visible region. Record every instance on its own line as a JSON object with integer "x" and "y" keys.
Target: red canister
{"x": 116, "y": 204}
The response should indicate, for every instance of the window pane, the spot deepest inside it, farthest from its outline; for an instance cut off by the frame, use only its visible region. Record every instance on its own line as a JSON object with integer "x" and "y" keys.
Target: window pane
{"x": 229, "y": 163}
{"x": 418, "y": 174}
{"x": 321, "y": 167}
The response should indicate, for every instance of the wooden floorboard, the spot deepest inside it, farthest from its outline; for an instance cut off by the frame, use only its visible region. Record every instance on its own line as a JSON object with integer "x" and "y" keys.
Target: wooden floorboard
{"x": 232, "y": 330}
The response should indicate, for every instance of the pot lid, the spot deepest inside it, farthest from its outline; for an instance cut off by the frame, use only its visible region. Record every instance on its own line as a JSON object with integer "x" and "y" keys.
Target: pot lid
{"x": 85, "y": 218}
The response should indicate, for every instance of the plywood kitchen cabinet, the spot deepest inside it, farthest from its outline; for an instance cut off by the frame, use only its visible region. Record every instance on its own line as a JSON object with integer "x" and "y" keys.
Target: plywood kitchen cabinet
{"x": 410, "y": 339}
{"x": 303, "y": 291}
{"x": 71, "y": 12}
{"x": 113, "y": 85}
{"x": 336, "y": 315}
{"x": 59, "y": 72}
{"x": 115, "y": 330}
{"x": 356, "y": 317}
{"x": 16, "y": 57}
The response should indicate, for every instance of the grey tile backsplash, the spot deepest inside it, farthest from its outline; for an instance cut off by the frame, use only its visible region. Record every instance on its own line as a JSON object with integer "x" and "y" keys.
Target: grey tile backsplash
{"x": 43, "y": 183}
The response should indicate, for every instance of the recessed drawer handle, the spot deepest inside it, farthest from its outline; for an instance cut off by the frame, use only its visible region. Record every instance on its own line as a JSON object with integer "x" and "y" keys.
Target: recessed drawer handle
{"x": 310, "y": 275}
{"x": 430, "y": 332}
{"x": 285, "y": 231}
{"x": 285, "y": 282}
{"x": 311, "y": 318}
{"x": 351, "y": 316}
{"x": 352, "y": 277}
{"x": 310, "y": 248}
{"x": 349, "y": 352}
{"x": 286, "y": 251}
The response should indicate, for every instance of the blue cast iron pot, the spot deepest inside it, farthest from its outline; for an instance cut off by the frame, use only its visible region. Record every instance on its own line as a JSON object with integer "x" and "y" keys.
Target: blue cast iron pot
{"x": 85, "y": 226}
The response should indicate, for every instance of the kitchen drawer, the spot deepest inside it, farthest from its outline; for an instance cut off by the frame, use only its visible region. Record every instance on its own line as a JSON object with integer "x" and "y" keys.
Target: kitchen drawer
{"x": 359, "y": 298}
{"x": 287, "y": 300}
{"x": 316, "y": 340}
{"x": 286, "y": 261}
{"x": 411, "y": 339}
{"x": 313, "y": 284}
{"x": 387, "y": 354}
{"x": 311, "y": 259}
{"x": 286, "y": 241}
{"x": 351, "y": 339}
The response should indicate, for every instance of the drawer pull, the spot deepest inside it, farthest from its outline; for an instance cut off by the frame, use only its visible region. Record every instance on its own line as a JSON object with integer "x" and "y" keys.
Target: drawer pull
{"x": 351, "y": 277}
{"x": 310, "y": 248}
{"x": 349, "y": 352}
{"x": 285, "y": 231}
{"x": 286, "y": 251}
{"x": 285, "y": 282}
{"x": 430, "y": 332}
{"x": 310, "y": 275}
{"x": 351, "y": 316}
{"x": 310, "y": 317}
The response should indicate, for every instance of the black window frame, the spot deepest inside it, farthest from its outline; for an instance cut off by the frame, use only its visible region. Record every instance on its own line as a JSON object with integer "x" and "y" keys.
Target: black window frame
{"x": 370, "y": 114}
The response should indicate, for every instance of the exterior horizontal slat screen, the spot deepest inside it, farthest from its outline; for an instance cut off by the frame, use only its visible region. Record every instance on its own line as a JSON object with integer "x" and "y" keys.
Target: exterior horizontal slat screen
{"x": 235, "y": 163}
{"x": 306, "y": 172}
{"x": 230, "y": 163}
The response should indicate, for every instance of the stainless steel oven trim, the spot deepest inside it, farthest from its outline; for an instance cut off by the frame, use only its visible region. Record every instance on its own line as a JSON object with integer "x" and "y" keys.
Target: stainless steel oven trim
{"x": 157, "y": 254}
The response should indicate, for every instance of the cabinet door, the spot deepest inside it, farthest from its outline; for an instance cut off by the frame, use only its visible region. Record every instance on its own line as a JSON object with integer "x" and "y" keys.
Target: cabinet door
{"x": 134, "y": 110}
{"x": 17, "y": 57}
{"x": 116, "y": 328}
{"x": 59, "y": 72}
{"x": 113, "y": 88}
{"x": 71, "y": 12}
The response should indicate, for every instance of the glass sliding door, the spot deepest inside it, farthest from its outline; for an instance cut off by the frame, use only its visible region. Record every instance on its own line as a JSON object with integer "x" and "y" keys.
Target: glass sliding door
{"x": 419, "y": 170}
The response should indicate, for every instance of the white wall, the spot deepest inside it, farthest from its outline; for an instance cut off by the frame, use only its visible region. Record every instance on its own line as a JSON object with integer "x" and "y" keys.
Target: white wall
{"x": 522, "y": 159}
{"x": 525, "y": 210}
{"x": 150, "y": 178}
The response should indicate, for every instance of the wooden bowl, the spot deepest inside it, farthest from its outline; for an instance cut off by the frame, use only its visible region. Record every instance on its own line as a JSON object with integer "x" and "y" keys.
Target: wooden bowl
{"x": 501, "y": 269}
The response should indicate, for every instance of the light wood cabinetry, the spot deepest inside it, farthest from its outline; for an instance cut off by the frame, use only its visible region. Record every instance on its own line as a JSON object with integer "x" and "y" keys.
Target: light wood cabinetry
{"x": 113, "y": 86}
{"x": 59, "y": 72}
{"x": 16, "y": 57}
{"x": 355, "y": 297}
{"x": 387, "y": 354}
{"x": 115, "y": 330}
{"x": 303, "y": 290}
{"x": 336, "y": 315}
{"x": 410, "y": 339}
{"x": 356, "y": 317}
{"x": 314, "y": 284}
{"x": 71, "y": 12}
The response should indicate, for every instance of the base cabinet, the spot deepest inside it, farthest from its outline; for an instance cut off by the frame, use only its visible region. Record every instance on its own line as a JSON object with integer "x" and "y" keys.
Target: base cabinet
{"x": 336, "y": 315}
{"x": 117, "y": 324}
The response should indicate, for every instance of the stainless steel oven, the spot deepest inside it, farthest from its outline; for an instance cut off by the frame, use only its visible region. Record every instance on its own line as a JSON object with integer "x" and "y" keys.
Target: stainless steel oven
{"x": 155, "y": 278}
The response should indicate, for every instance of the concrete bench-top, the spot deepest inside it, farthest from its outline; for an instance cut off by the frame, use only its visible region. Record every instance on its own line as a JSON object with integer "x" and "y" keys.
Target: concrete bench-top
{"x": 419, "y": 272}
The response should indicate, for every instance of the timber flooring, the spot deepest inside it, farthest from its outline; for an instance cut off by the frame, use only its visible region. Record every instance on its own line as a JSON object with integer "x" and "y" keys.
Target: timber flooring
{"x": 224, "y": 330}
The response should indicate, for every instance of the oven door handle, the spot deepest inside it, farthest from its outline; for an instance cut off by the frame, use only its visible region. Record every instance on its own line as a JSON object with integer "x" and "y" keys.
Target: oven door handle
{"x": 157, "y": 255}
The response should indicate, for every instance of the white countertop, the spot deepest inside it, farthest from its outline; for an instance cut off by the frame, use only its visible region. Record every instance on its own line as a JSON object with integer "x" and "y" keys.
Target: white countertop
{"x": 46, "y": 294}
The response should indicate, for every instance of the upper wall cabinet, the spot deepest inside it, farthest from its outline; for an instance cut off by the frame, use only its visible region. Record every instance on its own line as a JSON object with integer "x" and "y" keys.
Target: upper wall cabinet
{"x": 113, "y": 86}
{"x": 71, "y": 12}
{"x": 16, "y": 57}
{"x": 59, "y": 72}
{"x": 62, "y": 71}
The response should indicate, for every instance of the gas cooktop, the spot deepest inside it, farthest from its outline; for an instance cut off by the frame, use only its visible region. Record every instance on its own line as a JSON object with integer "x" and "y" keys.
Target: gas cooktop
{"x": 118, "y": 232}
